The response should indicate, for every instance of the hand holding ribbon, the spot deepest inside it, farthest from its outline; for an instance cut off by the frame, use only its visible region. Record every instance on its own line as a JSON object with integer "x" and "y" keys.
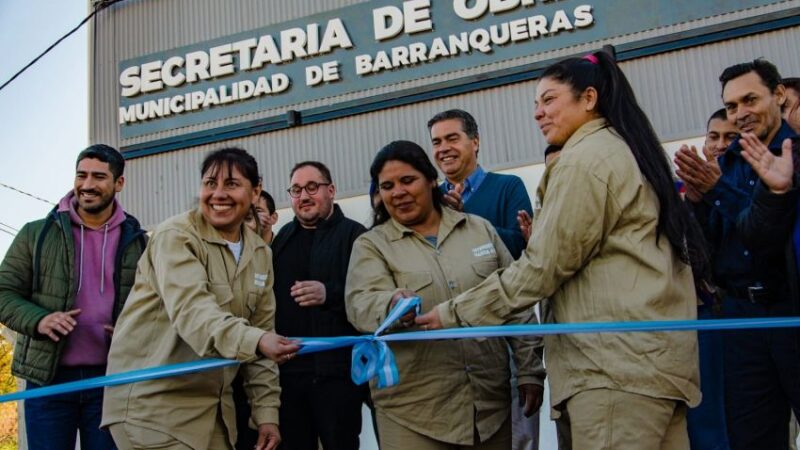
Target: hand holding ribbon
{"x": 371, "y": 355}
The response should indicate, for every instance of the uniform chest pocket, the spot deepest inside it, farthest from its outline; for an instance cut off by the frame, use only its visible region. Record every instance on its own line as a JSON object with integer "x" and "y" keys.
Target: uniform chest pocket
{"x": 257, "y": 299}
{"x": 485, "y": 267}
{"x": 415, "y": 281}
{"x": 223, "y": 295}
{"x": 252, "y": 302}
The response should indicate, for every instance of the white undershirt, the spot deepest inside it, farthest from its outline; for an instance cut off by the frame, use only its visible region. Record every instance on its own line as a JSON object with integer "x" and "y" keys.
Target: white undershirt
{"x": 236, "y": 249}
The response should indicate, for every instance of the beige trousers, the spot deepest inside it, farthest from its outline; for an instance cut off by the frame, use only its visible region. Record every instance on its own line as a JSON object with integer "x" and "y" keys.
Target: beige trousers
{"x": 132, "y": 437}
{"x": 394, "y": 436}
{"x": 609, "y": 419}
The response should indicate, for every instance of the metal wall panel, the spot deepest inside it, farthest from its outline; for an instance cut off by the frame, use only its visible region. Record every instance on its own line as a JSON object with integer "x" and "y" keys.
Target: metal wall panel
{"x": 678, "y": 90}
{"x": 138, "y": 27}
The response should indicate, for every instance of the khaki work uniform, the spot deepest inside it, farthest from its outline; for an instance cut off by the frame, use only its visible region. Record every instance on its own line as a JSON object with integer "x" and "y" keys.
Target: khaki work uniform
{"x": 596, "y": 254}
{"x": 450, "y": 391}
{"x": 192, "y": 301}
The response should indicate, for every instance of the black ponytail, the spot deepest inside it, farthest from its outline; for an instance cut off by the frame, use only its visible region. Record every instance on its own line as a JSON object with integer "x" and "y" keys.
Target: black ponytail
{"x": 617, "y": 104}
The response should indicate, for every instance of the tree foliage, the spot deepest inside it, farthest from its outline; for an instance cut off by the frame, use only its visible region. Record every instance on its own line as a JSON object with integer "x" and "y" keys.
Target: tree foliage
{"x": 8, "y": 411}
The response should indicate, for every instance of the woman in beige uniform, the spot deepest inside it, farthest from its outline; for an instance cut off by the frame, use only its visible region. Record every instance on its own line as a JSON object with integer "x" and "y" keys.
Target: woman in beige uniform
{"x": 203, "y": 289}
{"x": 452, "y": 394}
{"x": 613, "y": 242}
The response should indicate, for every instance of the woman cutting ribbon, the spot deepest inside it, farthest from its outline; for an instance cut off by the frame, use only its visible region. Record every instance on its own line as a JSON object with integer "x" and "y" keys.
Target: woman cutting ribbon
{"x": 452, "y": 394}
{"x": 203, "y": 289}
{"x": 613, "y": 242}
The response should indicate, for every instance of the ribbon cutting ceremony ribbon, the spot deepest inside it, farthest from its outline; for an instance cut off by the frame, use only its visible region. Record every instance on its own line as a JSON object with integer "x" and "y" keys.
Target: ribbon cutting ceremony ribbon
{"x": 372, "y": 356}
{"x": 133, "y": 376}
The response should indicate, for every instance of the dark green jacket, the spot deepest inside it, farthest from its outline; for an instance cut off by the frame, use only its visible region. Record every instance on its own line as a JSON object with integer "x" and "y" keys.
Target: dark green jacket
{"x": 37, "y": 277}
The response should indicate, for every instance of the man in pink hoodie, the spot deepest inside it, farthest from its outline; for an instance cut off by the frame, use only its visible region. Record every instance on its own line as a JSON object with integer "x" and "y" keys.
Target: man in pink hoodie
{"x": 63, "y": 283}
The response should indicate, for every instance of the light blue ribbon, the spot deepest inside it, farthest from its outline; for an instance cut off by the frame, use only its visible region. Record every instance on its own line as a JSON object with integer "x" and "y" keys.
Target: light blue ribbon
{"x": 372, "y": 357}
{"x": 383, "y": 364}
{"x": 134, "y": 376}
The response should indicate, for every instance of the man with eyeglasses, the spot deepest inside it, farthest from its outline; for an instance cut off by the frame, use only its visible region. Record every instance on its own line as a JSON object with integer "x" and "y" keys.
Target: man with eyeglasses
{"x": 310, "y": 256}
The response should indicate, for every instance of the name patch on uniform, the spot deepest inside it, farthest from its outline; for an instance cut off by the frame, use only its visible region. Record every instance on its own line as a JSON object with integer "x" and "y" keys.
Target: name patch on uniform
{"x": 260, "y": 279}
{"x": 484, "y": 250}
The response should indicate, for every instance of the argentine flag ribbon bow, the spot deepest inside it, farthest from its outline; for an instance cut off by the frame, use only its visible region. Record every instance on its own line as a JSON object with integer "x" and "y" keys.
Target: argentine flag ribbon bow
{"x": 372, "y": 357}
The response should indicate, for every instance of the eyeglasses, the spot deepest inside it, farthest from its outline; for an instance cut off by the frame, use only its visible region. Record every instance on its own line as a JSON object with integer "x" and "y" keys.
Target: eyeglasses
{"x": 311, "y": 188}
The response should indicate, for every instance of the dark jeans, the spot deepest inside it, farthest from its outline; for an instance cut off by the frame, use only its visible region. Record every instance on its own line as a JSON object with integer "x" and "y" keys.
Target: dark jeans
{"x": 52, "y": 423}
{"x": 706, "y": 422}
{"x": 327, "y": 409}
{"x": 762, "y": 377}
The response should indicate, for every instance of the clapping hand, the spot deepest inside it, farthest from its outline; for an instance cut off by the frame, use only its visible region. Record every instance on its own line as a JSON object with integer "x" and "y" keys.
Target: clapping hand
{"x": 775, "y": 171}
{"x": 699, "y": 175}
{"x": 453, "y": 197}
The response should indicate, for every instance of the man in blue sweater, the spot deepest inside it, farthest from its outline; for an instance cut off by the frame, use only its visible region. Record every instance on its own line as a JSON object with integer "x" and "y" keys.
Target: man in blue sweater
{"x": 498, "y": 199}
{"x": 467, "y": 187}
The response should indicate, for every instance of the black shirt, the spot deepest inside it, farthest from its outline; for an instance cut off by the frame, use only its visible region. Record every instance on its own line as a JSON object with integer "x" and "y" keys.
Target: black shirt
{"x": 294, "y": 266}
{"x": 320, "y": 255}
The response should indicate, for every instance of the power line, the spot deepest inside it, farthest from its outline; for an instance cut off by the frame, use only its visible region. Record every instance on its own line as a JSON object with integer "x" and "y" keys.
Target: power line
{"x": 8, "y": 226}
{"x": 13, "y": 231}
{"x": 25, "y": 193}
{"x": 99, "y": 6}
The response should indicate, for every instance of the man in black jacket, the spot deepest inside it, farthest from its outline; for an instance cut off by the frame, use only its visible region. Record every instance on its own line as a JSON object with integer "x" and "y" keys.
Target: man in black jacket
{"x": 310, "y": 256}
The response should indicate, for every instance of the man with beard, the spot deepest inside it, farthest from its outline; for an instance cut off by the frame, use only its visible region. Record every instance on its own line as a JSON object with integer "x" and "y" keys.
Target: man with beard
{"x": 63, "y": 283}
{"x": 747, "y": 218}
{"x": 319, "y": 401}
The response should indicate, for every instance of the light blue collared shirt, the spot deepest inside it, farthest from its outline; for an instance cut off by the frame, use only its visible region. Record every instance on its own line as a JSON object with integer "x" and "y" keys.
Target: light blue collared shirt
{"x": 471, "y": 184}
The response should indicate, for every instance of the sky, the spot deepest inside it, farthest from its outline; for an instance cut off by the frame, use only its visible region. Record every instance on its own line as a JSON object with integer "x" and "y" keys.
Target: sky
{"x": 44, "y": 112}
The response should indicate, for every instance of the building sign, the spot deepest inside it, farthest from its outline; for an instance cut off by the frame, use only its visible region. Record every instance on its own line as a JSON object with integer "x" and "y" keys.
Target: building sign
{"x": 370, "y": 45}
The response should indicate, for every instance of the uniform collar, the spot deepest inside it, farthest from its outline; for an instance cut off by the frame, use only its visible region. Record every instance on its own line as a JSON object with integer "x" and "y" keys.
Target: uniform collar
{"x": 206, "y": 231}
{"x": 586, "y": 129}
{"x": 210, "y": 234}
{"x": 450, "y": 220}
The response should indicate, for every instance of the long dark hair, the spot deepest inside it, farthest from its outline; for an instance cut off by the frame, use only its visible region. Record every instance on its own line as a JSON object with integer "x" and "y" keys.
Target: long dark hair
{"x": 617, "y": 103}
{"x": 411, "y": 154}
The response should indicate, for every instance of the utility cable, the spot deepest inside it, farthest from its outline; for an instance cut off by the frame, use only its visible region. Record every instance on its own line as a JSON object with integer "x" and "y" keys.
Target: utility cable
{"x": 99, "y": 6}
{"x": 8, "y": 226}
{"x": 25, "y": 193}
